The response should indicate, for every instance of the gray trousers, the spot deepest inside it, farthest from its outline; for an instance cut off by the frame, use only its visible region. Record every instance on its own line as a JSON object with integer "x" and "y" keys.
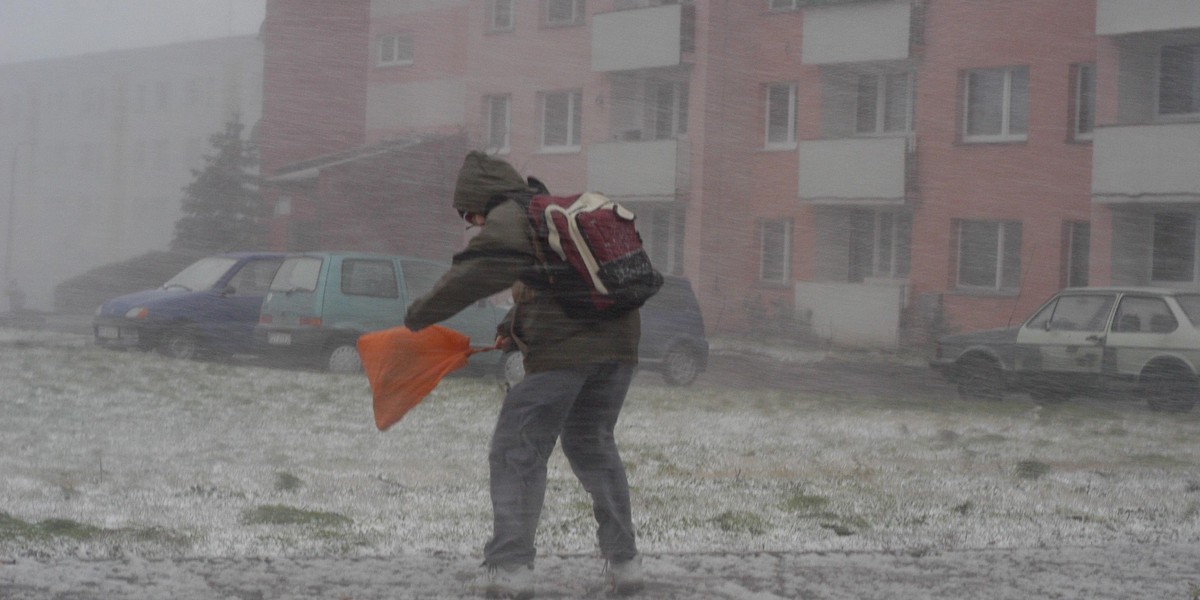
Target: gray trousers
{"x": 581, "y": 405}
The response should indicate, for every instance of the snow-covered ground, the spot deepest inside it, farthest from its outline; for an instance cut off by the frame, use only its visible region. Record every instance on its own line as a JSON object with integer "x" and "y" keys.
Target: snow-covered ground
{"x": 133, "y": 459}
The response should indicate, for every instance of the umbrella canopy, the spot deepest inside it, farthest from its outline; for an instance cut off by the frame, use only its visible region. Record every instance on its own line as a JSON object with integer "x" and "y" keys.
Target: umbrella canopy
{"x": 404, "y": 366}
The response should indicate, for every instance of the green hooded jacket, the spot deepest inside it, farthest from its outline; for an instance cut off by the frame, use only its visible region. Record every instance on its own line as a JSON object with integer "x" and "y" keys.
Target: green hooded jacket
{"x": 496, "y": 258}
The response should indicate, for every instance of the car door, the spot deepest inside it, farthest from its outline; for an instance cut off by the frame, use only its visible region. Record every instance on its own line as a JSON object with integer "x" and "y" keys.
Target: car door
{"x": 234, "y": 305}
{"x": 1142, "y": 328}
{"x": 1065, "y": 339}
{"x": 367, "y": 293}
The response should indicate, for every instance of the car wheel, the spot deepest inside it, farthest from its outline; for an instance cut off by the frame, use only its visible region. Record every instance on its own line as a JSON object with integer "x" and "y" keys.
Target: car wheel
{"x": 980, "y": 379}
{"x": 512, "y": 366}
{"x": 1170, "y": 390}
{"x": 343, "y": 358}
{"x": 681, "y": 366}
{"x": 179, "y": 343}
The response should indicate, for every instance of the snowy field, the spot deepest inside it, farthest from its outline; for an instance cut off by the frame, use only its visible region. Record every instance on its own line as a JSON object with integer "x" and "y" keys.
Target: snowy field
{"x": 112, "y": 454}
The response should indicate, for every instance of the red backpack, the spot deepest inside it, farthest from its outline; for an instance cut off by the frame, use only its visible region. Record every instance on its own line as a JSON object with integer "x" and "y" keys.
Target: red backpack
{"x": 591, "y": 255}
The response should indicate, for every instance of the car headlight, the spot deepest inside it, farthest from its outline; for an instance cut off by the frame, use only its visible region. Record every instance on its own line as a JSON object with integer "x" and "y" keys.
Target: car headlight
{"x": 137, "y": 312}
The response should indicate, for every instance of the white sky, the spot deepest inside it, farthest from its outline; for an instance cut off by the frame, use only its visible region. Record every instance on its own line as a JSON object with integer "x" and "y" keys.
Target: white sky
{"x": 39, "y": 29}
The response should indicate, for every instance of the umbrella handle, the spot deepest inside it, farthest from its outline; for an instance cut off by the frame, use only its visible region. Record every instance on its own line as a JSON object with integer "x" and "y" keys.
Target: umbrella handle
{"x": 478, "y": 349}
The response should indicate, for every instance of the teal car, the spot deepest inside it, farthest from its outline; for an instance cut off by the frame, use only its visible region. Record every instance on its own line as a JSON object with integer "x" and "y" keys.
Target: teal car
{"x": 319, "y": 303}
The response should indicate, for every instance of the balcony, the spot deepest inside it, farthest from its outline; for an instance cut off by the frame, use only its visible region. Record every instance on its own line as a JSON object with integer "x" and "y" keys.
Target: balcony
{"x": 652, "y": 170}
{"x": 855, "y": 170}
{"x": 1146, "y": 163}
{"x": 643, "y": 38}
{"x": 1119, "y": 17}
{"x": 857, "y": 32}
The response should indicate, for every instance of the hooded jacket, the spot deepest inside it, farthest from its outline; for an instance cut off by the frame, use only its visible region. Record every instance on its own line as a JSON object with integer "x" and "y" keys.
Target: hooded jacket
{"x": 496, "y": 258}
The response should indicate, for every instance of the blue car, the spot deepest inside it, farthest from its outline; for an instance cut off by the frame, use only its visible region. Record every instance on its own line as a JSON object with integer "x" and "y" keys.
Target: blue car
{"x": 209, "y": 308}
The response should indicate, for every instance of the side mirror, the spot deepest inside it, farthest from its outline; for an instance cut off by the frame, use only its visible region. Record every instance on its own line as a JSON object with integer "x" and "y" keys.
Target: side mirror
{"x": 229, "y": 291}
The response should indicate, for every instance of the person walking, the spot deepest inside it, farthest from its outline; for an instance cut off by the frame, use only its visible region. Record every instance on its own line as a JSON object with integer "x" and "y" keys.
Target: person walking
{"x": 578, "y": 371}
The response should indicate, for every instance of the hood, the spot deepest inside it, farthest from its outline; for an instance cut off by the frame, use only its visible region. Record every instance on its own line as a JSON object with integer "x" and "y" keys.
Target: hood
{"x": 146, "y": 298}
{"x": 1007, "y": 335}
{"x": 481, "y": 178}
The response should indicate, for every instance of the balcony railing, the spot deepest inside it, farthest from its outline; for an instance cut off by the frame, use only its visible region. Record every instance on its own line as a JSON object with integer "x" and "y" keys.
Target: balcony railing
{"x": 856, "y": 170}
{"x": 642, "y": 38}
{"x": 1146, "y": 163}
{"x": 859, "y": 32}
{"x": 650, "y": 170}
{"x": 1118, "y": 17}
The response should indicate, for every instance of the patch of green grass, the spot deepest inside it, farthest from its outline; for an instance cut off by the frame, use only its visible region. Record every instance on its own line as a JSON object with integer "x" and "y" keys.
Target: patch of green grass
{"x": 1031, "y": 469}
{"x": 740, "y": 522}
{"x": 804, "y": 504}
{"x": 279, "y": 514}
{"x": 1156, "y": 461}
{"x": 286, "y": 482}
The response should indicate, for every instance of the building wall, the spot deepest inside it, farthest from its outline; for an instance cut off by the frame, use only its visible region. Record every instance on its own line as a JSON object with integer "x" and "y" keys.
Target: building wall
{"x": 98, "y": 148}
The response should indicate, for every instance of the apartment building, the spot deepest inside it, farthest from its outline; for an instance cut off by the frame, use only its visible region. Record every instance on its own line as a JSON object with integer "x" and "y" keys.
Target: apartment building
{"x": 873, "y": 171}
{"x": 97, "y": 149}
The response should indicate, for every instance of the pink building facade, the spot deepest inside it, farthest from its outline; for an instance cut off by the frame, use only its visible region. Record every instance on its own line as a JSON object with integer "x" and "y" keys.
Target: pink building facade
{"x": 868, "y": 172}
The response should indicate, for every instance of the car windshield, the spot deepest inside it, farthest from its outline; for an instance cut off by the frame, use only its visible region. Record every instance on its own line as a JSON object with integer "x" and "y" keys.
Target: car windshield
{"x": 1190, "y": 303}
{"x": 297, "y": 275}
{"x": 202, "y": 274}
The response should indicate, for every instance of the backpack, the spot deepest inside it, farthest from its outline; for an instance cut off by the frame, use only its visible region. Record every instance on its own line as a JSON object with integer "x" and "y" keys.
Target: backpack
{"x": 591, "y": 255}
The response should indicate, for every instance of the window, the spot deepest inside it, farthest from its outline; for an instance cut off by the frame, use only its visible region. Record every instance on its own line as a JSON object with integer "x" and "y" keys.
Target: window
{"x": 1174, "y": 248}
{"x": 1084, "y": 109}
{"x": 254, "y": 278}
{"x": 396, "y": 49}
{"x": 1144, "y": 314}
{"x": 558, "y": 13}
{"x": 781, "y": 115}
{"x": 989, "y": 255}
{"x": 997, "y": 105}
{"x": 297, "y": 274}
{"x": 1078, "y": 241}
{"x": 1074, "y": 312}
{"x": 374, "y": 278}
{"x": 662, "y": 231}
{"x": 500, "y": 15}
{"x": 780, "y": 5}
{"x": 670, "y": 110}
{"x": 775, "y": 263}
{"x": 884, "y": 103}
{"x": 562, "y": 120}
{"x": 497, "y": 111}
{"x": 1179, "y": 80}
{"x": 879, "y": 244}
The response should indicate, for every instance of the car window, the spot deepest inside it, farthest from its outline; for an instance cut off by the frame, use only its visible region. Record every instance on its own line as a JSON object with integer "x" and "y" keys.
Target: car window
{"x": 297, "y": 275}
{"x": 1081, "y": 312}
{"x": 1190, "y": 303}
{"x": 675, "y": 294}
{"x": 369, "y": 277}
{"x": 202, "y": 274}
{"x": 1144, "y": 314}
{"x": 254, "y": 278}
{"x": 1039, "y": 320}
{"x": 419, "y": 277}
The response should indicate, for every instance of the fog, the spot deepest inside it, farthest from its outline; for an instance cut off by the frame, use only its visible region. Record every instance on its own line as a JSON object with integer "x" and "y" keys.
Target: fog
{"x": 863, "y": 179}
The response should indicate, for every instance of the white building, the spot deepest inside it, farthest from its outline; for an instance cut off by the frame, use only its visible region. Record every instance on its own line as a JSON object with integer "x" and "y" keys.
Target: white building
{"x": 97, "y": 148}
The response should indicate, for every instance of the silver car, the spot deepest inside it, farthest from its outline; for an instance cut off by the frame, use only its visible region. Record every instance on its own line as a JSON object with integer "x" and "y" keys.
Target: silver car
{"x": 1139, "y": 340}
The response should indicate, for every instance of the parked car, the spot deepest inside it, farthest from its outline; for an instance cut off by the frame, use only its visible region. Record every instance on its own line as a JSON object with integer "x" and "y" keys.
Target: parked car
{"x": 1086, "y": 340}
{"x": 320, "y": 302}
{"x": 673, "y": 340}
{"x": 211, "y": 306}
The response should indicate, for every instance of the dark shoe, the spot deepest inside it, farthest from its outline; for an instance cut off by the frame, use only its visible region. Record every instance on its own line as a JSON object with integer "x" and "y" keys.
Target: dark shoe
{"x": 627, "y": 577}
{"x": 514, "y": 582}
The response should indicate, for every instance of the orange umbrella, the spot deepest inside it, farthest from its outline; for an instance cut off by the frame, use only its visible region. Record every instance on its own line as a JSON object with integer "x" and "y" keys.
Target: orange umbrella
{"x": 403, "y": 366}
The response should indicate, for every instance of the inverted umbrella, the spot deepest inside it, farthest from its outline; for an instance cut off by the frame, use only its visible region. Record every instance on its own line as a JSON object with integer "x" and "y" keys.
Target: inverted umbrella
{"x": 404, "y": 366}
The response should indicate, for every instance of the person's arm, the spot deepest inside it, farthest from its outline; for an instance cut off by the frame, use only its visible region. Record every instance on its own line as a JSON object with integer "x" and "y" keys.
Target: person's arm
{"x": 491, "y": 262}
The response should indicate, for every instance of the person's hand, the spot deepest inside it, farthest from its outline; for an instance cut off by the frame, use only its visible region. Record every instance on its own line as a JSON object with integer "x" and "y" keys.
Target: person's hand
{"x": 503, "y": 341}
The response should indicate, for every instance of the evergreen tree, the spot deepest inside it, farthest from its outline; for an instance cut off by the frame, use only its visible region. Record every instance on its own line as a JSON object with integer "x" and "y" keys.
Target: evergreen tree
{"x": 222, "y": 208}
